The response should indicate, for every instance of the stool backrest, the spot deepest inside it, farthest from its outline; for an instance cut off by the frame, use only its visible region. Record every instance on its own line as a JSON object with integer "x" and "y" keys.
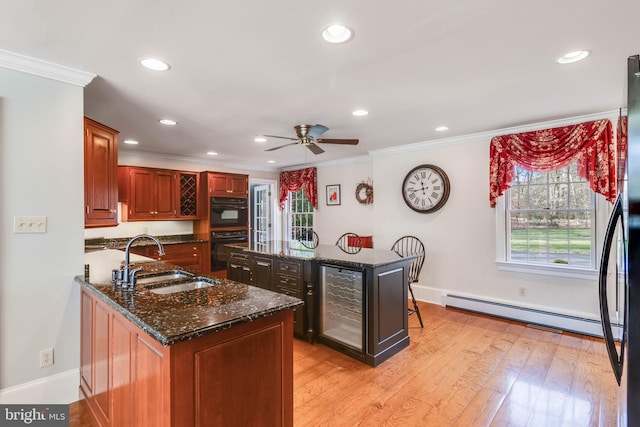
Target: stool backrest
{"x": 411, "y": 245}
{"x": 350, "y": 243}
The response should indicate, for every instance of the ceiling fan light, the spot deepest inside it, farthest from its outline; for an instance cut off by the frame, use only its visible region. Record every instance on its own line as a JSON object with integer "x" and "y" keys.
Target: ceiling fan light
{"x": 360, "y": 113}
{"x": 574, "y": 56}
{"x": 336, "y": 33}
{"x": 154, "y": 64}
{"x": 260, "y": 138}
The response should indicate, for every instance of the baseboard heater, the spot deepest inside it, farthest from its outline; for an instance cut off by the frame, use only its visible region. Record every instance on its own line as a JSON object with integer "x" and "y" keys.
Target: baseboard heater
{"x": 532, "y": 316}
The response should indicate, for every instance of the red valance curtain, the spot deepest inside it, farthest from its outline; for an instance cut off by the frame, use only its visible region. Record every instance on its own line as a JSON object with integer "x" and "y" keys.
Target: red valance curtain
{"x": 295, "y": 180}
{"x": 591, "y": 144}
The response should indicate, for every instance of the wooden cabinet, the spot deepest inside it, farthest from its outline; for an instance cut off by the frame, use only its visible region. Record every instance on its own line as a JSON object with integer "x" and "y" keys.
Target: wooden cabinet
{"x": 100, "y": 175}
{"x": 261, "y": 271}
{"x": 187, "y": 255}
{"x": 276, "y": 274}
{"x": 238, "y": 267}
{"x": 129, "y": 379}
{"x": 228, "y": 184}
{"x": 150, "y": 194}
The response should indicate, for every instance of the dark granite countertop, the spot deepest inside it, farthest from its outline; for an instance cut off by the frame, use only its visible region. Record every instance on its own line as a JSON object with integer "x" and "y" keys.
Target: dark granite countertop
{"x": 329, "y": 253}
{"x": 100, "y": 243}
{"x": 180, "y": 316}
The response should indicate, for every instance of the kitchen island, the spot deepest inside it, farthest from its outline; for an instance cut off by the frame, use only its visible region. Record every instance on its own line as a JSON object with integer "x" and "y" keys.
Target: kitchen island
{"x": 220, "y": 355}
{"x": 354, "y": 302}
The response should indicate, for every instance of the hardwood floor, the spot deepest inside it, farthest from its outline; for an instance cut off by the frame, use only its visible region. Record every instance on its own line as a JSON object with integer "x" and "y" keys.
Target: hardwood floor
{"x": 462, "y": 369}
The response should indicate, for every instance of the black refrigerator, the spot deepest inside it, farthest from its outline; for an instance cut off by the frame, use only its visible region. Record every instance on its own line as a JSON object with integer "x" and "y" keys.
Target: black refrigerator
{"x": 619, "y": 283}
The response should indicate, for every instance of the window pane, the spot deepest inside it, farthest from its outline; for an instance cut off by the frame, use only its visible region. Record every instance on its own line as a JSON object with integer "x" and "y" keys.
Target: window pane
{"x": 550, "y": 218}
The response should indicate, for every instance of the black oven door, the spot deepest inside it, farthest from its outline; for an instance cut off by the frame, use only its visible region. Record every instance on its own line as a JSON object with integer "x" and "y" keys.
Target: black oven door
{"x": 219, "y": 250}
{"x": 233, "y": 213}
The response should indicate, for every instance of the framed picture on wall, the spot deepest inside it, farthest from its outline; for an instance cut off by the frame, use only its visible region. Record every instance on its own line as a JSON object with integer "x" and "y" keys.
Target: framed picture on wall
{"x": 333, "y": 195}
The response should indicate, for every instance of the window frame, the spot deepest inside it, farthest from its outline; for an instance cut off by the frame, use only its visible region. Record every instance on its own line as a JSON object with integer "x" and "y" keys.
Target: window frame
{"x": 601, "y": 213}
{"x": 289, "y": 225}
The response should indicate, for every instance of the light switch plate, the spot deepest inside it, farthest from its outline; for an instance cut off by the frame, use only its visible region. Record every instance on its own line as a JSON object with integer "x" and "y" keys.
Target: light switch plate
{"x": 29, "y": 224}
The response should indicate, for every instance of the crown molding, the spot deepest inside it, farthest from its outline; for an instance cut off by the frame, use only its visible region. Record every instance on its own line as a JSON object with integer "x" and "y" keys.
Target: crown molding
{"x": 473, "y": 137}
{"x": 38, "y": 67}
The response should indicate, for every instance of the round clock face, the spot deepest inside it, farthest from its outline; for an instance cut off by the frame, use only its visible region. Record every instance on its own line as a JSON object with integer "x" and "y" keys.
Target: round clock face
{"x": 425, "y": 188}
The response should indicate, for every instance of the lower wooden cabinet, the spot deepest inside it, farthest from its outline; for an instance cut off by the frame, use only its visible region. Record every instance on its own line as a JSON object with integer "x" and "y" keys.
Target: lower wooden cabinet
{"x": 277, "y": 275}
{"x": 237, "y": 377}
{"x": 187, "y": 255}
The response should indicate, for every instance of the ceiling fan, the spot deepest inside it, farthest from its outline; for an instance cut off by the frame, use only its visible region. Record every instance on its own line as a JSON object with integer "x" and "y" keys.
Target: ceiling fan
{"x": 309, "y": 135}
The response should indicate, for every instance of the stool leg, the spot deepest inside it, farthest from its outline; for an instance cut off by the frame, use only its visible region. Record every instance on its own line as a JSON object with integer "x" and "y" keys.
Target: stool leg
{"x": 416, "y": 309}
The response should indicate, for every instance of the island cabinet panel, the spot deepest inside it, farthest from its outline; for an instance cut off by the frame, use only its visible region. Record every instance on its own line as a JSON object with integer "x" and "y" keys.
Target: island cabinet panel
{"x": 388, "y": 320}
{"x": 239, "y": 268}
{"x": 100, "y": 175}
{"x": 261, "y": 271}
{"x": 238, "y": 376}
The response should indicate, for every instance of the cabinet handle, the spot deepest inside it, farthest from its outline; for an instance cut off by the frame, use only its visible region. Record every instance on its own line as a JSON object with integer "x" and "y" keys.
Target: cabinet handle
{"x": 195, "y": 254}
{"x": 87, "y": 209}
{"x": 263, "y": 264}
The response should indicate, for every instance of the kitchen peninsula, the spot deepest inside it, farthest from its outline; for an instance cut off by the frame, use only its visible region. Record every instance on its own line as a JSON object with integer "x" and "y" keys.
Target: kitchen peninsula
{"x": 354, "y": 302}
{"x": 219, "y": 355}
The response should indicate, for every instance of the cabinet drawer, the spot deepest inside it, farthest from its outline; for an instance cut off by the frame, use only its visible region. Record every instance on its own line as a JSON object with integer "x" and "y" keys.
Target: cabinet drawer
{"x": 291, "y": 268}
{"x": 289, "y": 291}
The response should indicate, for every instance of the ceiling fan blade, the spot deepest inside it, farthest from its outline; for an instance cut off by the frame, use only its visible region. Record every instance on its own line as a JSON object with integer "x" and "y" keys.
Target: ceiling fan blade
{"x": 339, "y": 141}
{"x": 281, "y": 137}
{"x": 316, "y": 131}
{"x": 281, "y": 146}
{"x": 314, "y": 148}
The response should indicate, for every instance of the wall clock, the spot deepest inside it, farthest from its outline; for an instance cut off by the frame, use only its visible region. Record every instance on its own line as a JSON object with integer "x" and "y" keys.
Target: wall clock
{"x": 425, "y": 189}
{"x": 364, "y": 193}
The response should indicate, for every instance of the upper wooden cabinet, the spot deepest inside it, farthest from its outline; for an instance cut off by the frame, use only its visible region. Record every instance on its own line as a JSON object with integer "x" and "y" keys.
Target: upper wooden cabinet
{"x": 150, "y": 194}
{"x": 228, "y": 184}
{"x": 100, "y": 175}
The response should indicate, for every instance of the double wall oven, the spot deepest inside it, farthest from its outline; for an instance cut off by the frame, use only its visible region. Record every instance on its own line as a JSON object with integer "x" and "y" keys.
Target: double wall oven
{"x": 229, "y": 222}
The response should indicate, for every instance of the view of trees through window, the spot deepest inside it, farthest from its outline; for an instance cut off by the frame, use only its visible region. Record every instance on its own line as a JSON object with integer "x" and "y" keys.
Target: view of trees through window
{"x": 551, "y": 218}
{"x": 300, "y": 217}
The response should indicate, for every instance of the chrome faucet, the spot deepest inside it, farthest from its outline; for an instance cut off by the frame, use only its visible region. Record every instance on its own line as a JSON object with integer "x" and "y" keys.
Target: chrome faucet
{"x": 129, "y": 277}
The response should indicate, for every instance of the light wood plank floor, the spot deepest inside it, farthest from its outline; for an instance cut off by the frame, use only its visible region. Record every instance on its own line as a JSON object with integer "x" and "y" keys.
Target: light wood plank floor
{"x": 462, "y": 369}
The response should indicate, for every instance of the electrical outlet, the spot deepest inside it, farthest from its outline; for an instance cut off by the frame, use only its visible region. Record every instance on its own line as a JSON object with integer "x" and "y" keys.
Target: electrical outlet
{"x": 46, "y": 357}
{"x": 523, "y": 291}
{"x": 29, "y": 224}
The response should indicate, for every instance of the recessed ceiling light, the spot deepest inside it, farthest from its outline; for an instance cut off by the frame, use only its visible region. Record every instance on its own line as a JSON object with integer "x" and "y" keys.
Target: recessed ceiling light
{"x": 360, "y": 113}
{"x": 154, "y": 64}
{"x": 442, "y": 129}
{"x": 575, "y": 56}
{"x": 260, "y": 139}
{"x": 168, "y": 122}
{"x": 271, "y": 161}
{"x": 212, "y": 153}
{"x": 131, "y": 141}
{"x": 336, "y": 33}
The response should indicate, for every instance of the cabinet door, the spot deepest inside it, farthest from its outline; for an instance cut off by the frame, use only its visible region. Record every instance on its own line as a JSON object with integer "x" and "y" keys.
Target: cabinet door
{"x": 100, "y": 175}
{"x": 262, "y": 272}
{"x": 142, "y": 201}
{"x": 218, "y": 185}
{"x": 239, "y": 185}
{"x": 165, "y": 194}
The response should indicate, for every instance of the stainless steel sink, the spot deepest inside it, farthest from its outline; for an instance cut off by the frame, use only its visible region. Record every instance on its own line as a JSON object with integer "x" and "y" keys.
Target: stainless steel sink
{"x": 196, "y": 283}
{"x": 165, "y": 276}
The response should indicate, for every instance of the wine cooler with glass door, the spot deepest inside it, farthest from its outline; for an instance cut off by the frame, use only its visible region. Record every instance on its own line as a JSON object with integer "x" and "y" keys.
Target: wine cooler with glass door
{"x": 342, "y": 309}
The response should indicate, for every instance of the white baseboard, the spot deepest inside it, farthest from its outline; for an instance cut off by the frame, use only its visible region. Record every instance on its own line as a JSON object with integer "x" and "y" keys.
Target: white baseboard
{"x": 571, "y": 322}
{"x": 60, "y": 389}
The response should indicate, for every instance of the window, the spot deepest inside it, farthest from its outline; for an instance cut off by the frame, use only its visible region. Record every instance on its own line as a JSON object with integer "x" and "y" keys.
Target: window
{"x": 549, "y": 220}
{"x": 300, "y": 225}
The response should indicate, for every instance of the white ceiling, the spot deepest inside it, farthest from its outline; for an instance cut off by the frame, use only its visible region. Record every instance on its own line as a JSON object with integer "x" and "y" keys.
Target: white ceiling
{"x": 247, "y": 67}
